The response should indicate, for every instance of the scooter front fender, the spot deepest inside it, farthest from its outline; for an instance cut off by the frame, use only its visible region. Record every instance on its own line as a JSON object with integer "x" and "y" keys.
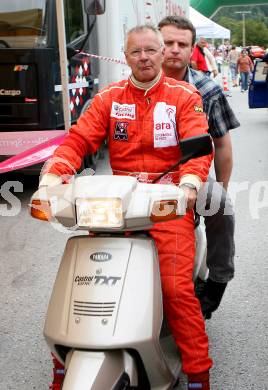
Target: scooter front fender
{"x": 89, "y": 370}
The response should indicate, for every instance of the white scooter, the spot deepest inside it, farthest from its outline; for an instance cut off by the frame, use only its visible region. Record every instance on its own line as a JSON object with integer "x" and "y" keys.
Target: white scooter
{"x": 105, "y": 319}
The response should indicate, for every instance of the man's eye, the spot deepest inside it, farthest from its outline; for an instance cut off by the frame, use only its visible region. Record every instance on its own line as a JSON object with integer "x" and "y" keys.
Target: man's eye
{"x": 150, "y": 51}
{"x": 135, "y": 53}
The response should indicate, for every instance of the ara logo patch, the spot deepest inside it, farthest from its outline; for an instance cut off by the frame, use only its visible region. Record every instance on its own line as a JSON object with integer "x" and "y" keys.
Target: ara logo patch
{"x": 120, "y": 131}
{"x": 165, "y": 130}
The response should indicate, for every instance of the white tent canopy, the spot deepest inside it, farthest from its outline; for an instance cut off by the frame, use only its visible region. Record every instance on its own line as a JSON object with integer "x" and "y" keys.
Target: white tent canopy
{"x": 207, "y": 28}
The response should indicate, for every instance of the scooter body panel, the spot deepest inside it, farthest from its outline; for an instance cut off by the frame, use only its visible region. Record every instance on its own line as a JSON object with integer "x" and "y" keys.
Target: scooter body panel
{"x": 107, "y": 295}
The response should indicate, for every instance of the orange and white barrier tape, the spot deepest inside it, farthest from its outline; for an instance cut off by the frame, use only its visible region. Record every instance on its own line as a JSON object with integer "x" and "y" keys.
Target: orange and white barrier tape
{"x": 109, "y": 59}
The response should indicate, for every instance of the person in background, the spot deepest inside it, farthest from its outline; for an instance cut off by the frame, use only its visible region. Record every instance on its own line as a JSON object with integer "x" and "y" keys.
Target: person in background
{"x": 198, "y": 60}
{"x": 202, "y": 59}
{"x": 265, "y": 57}
{"x": 219, "y": 59}
{"x": 143, "y": 118}
{"x": 244, "y": 66}
{"x": 232, "y": 59}
{"x": 249, "y": 53}
{"x": 211, "y": 62}
{"x": 179, "y": 37}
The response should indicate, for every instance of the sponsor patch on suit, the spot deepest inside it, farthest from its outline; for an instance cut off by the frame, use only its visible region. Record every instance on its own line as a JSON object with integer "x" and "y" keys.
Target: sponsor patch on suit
{"x": 198, "y": 108}
{"x": 123, "y": 111}
{"x": 165, "y": 129}
{"x": 120, "y": 131}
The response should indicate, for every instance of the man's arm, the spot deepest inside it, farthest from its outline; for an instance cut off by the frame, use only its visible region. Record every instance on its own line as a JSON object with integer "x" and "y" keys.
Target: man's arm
{"x": 192, "y": 122}
{"x": 238, "y": 66}
{"x": 223, "y": 160}
{"x": 251, "y": 65}
{"x": 84, "y": 138}
{"x": 211, "y": 60}
{"x": 221, "y": 120}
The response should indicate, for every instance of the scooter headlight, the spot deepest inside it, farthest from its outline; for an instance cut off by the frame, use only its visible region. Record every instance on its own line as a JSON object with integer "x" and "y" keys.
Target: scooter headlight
{"x": 99, "y": 213}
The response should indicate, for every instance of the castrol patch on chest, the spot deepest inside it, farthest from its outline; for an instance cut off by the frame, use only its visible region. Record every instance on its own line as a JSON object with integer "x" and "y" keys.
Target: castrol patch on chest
{"x": 165, "y": 129}
{"x": 123, "y": 111}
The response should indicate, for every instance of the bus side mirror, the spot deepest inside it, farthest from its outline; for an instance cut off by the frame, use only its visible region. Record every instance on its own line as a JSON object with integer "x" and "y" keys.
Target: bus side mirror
{"x": 94, "y": 7}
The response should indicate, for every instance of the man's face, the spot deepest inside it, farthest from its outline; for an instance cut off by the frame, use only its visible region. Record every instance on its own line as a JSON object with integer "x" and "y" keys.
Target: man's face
{"x": 178, "y": 48}
{"x": 202, "y": 42}
{"x": 144, "y": 55}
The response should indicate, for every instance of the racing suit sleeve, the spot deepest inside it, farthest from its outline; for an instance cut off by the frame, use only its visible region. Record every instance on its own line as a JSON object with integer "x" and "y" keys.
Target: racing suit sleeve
{"x": 85, "y": 137}
{"x": 192, "y": 122}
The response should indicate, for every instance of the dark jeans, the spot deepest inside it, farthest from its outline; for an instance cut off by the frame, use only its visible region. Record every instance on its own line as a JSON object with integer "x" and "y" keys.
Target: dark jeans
{"x": 244, "y": 80}
{"x": 215, "y": 206}
{"x": 233, "y": 69}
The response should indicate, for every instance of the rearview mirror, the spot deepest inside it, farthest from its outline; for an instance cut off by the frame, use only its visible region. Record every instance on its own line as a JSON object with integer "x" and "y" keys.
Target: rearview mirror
{"x": 198, "y": 146}
{"x": 94, "y": 7}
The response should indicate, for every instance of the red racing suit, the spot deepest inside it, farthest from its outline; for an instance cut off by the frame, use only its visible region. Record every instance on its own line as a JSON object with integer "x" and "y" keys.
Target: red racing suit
{"x": 143, "y": 130}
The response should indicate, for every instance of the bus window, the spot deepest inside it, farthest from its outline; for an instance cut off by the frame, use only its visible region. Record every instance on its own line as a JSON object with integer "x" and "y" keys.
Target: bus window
{"x": 74, "y": 20}
{"x": 22, "y": 23}
{"x": 261, "y": 71}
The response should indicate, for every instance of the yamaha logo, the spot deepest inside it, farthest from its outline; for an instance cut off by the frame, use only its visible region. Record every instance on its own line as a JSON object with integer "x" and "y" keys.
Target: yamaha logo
{"x": 101, "y": 256}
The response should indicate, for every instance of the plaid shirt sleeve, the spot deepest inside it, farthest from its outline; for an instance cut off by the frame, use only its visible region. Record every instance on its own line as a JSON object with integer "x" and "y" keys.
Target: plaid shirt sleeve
{"x": 221, "y": 117}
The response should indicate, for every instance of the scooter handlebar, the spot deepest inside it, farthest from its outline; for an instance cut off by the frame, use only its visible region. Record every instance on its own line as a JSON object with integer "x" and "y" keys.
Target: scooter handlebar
{"x": 101, "y": 203}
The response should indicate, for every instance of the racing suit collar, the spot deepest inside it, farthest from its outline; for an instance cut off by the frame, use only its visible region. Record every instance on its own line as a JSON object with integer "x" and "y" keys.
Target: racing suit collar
{"x": 145, "y": 87}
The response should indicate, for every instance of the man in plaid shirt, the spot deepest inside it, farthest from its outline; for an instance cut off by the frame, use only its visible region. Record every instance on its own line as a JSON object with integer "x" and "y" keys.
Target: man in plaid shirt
{"x": 179, "y": 37}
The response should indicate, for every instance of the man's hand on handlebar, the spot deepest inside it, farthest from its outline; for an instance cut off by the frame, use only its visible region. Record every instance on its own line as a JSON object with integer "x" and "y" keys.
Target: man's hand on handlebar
{"x": 190, "y": 195}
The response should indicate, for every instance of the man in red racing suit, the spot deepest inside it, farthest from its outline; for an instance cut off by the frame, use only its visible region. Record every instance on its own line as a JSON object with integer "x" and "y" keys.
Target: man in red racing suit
{"x": 143, "y": 119}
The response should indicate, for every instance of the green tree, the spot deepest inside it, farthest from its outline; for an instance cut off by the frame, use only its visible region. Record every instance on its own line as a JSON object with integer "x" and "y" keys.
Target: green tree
{"x": 258, "y": 13}
{"x": 256, "y": 31}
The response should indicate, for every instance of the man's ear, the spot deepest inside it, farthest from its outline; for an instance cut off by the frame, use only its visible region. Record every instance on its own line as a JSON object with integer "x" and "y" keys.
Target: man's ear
{"x": 192, "y": 50}
{"x": 162, "y": 54}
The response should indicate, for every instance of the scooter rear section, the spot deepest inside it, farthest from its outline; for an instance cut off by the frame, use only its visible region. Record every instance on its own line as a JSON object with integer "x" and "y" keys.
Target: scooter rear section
{"x": 107, "y": 297}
